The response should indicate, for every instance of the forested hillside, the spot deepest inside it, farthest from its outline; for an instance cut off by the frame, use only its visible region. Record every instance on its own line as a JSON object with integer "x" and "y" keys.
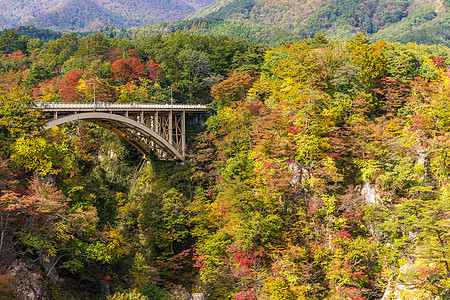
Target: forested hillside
{"x": 322, "y": 171}
{"x": 241, "y": 29}
{"x": 259, "y": 21}
{"x": 77, "y": 15}
{"x": 393, "y": 20}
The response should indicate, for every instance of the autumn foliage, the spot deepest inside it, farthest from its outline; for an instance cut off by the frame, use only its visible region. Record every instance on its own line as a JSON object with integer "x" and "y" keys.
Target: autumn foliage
{"x": 127, "y": 70}
{"x": 322, "y": 171}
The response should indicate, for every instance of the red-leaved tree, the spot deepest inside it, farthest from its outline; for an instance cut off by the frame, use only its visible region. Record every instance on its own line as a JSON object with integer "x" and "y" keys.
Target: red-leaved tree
{"x": 69, "y": 90}
{"x": 126, "y": 70}
{"x": 155, "y": 72}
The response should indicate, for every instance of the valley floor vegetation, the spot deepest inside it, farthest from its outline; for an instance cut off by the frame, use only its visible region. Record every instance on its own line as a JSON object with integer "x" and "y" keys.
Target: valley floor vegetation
{"x": 322, "y": 171}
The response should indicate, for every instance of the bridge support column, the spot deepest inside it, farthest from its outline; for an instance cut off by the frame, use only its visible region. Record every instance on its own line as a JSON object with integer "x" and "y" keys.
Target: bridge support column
{"x": 171, "y": 127}
{"x": 156, "y": 124}
{"x": 183, "y": 134}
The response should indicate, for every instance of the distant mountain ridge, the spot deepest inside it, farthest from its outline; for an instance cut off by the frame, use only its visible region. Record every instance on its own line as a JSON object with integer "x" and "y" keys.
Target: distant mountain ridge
{"x": 261, "y": 21}
{"x": 422, "y": 21}
{"x": 70, "y": 15}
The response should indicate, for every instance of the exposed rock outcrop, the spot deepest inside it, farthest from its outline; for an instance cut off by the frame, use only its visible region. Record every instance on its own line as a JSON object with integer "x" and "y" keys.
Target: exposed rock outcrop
{"x": 370, "y": 193}
{"x": 29, "y": 280}
{"x": 198, "y": 296}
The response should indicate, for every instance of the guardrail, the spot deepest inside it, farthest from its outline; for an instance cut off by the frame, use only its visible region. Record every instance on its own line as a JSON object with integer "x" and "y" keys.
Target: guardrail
{"x": 120, "y": 106}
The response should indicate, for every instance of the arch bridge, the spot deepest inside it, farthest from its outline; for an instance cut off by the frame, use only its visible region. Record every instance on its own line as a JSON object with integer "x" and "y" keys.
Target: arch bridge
{"x": 151, "y": 128}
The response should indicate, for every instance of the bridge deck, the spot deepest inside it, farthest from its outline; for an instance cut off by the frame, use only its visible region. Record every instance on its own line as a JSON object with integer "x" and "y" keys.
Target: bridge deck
{"x": 117, "y": 107}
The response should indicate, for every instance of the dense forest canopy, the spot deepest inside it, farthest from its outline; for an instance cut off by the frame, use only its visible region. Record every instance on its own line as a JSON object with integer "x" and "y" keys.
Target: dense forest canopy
{"x": 322, "y": 171}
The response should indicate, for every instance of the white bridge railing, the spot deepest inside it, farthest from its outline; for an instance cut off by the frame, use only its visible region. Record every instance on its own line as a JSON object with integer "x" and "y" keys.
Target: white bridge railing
{"x": 118, "y": 106}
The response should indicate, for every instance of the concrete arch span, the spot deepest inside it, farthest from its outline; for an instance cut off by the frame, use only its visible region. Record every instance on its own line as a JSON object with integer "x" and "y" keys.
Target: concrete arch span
{"x": 126, "y": 128}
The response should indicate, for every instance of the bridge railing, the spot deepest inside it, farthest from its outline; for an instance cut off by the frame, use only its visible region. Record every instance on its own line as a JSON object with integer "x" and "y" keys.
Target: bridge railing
{"x": 120, "y": 106}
